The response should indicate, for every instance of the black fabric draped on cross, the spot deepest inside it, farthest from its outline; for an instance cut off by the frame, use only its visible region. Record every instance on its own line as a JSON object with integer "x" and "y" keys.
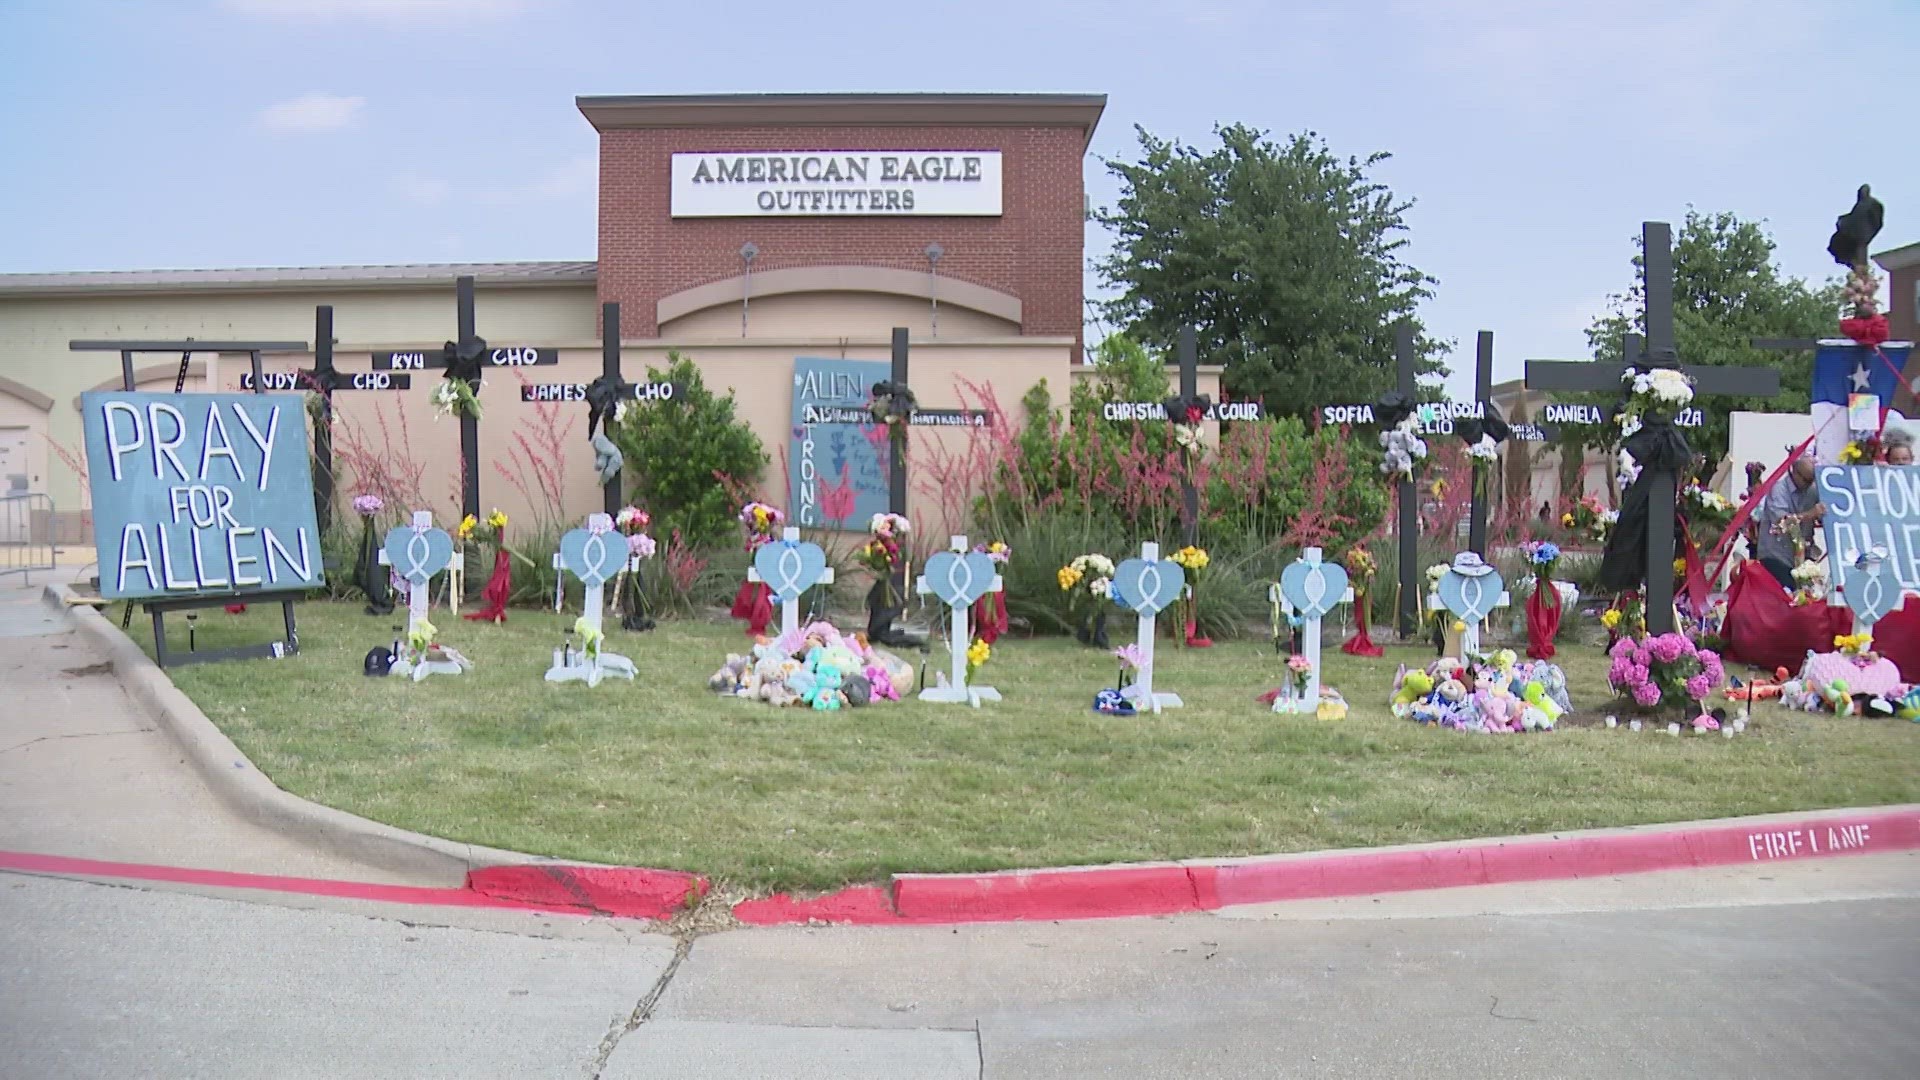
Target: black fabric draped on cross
{"x": 1657, "y": 447}
{"x": 603, "y": 398}
{"x": 464, "y": 360}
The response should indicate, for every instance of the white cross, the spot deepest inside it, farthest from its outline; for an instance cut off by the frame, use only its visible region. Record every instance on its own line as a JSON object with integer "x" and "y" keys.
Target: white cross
{"x": 790, "y": 609}
{"x": 1309, "y": 641}
{"x": 959, "y": 641}
{"x": 1144, "y": 696}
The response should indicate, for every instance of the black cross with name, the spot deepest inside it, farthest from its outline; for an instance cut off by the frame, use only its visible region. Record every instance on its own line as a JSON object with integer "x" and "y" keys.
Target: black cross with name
{"x": 465, "y": 359}
{"x": 1189, "y": 407}
{"x": 1659, "y": 351}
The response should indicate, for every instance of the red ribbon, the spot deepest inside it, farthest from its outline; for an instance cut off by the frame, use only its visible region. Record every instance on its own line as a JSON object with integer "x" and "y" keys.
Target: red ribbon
{"x": 499, "y": 588}
{"x": 1543, "y": 619}
{"x": 990, "y": 617}
{"x": 754, "y": 603}
{"x": 1360, "y": 644}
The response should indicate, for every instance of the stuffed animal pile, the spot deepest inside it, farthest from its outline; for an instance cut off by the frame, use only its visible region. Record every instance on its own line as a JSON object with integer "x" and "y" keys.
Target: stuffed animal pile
{"x": 818, "y": 668}
{"x": 1497, "y": 696}
{"x": 1855, "y": 683}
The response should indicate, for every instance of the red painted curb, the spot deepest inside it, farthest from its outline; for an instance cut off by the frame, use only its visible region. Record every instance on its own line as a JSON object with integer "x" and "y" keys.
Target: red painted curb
{"x": 1093, "y": 893}
{"x": 606, "y": 890}
{"x": 1319, "y": 876}
{"x": 1118, "y": 891}
{"x": 227, "y": 879}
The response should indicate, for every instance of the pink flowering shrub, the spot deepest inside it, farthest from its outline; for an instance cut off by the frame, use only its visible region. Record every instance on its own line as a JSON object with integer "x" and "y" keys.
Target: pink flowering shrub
{"x": 1668, "y": 670}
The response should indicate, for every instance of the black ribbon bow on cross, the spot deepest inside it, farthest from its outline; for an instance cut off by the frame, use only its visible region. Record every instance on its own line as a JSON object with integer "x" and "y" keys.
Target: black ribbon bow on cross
{"x": 604, "y": 396}
{"x": 1392, "y": 408}
{"x": 1188, "y": 411}
{"x": 463, "y": 360}
{"x": 1494, "y": 427}
{"x": 892, "y": 399}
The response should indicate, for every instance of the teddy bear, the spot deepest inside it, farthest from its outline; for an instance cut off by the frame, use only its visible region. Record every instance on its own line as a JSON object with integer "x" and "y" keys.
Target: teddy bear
{"x": 857, "y": 690}
{"x": 727, "y": 680}
{"x": 824, "y": 694}
{"x": 1538, "y": 700}
{"x": 881, "y": 682}
{"x": 770, "y": 681}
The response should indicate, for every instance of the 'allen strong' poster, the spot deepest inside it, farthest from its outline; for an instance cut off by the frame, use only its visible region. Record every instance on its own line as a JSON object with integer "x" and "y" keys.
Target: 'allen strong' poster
{"x": 837, "y": 458}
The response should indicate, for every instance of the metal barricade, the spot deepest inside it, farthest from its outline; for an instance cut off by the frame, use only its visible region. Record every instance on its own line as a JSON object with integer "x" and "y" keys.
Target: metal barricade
{"x": 26, "y": 534}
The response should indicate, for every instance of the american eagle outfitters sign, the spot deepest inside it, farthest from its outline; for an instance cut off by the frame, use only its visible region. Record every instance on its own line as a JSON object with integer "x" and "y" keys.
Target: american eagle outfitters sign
{"x": 839, "y": 183}
{"x": 198, "y": 494}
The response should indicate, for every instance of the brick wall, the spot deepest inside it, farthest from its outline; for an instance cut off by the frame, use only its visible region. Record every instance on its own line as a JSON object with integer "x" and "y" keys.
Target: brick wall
{"x": 1033, "y": 251}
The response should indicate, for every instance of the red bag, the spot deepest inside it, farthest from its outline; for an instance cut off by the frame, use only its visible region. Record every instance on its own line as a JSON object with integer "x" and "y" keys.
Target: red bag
{"x": 499, "y": 587}
{"x": 1359, "y": 644}
{"x": 754, "y": 603}
{"x": 990, "y": 617}
{"x": 1765, "y": 629}
{"x": 1897, "y": 637}
{"x": 1543, "y": 620}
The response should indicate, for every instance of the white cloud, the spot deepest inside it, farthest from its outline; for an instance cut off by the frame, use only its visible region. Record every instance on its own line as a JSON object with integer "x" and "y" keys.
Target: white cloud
{"x": 312, "y": 113}
{"x": 376, "y": 9}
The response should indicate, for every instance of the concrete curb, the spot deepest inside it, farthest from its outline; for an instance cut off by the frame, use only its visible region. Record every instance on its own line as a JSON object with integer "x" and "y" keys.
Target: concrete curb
{"x": 249, "y": 793}
{"x": 1095, "y": 892}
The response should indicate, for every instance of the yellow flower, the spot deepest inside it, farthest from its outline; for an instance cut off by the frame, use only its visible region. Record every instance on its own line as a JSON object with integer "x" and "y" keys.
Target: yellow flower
{"x": 1191, "y": 557}
{"x": 1610, "y": 618}
{"x": 1680, "y": 567}
{"x": 1851, "y": 454}
{"x": 467, "y": 525}
{"x": 978, "y": 652}
{"x": 1069, "y": 577}
{"x": 496, "y": 520}
{"x": 1459, "y": 627}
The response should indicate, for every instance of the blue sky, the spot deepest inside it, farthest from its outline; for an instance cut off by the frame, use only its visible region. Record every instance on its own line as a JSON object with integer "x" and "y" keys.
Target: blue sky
{"x": 1535, "y": 135}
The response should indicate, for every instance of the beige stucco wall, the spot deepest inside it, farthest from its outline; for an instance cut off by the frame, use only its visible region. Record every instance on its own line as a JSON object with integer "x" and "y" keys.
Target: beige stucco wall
{"x": 34, "y": 332}
{"x": 832, "y": 315}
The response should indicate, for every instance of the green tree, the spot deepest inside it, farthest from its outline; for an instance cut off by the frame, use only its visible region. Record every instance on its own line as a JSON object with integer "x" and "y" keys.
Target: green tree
{"x": 1726, "y": 291}
{"x": 1285, "y": 259}
{"x": 677, "y": 451}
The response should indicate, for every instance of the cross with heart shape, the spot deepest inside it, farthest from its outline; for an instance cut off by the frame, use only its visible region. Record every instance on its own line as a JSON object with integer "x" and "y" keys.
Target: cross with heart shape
{"x": 790, "y": 567}
{"x": 957, "y": 578}
{"x": 1147, "y": 586}
{"x": 595, "y": 555}
{"x": 1312, "y": 588}
{"x": 417, "y": 552}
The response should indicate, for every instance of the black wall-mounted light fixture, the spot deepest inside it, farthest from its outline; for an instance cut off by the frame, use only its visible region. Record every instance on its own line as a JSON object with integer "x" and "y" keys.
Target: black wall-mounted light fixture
{"x": 934, "y": 251}
{"x": 748, "y": 251}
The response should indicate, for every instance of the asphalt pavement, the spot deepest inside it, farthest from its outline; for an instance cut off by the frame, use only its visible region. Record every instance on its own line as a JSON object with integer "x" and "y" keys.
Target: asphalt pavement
{"x": 1793, "y": 970}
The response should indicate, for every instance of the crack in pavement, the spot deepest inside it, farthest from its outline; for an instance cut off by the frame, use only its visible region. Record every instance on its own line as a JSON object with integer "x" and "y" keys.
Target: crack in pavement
{"x": 74, "y": 735}
{"x": 642, "y": 1010}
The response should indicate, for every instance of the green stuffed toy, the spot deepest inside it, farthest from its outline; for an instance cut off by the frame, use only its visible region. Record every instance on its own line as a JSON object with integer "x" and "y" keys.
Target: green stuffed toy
{"x": 1536, "y": 696}
{"x": 1414, "y": 685}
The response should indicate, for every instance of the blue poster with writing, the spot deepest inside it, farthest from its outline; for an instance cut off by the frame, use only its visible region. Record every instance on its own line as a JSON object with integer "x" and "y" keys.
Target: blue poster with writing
{"x": 200, "y": 494}
{"x": 1872, "y": 507}
{"x": 837, "y": 459}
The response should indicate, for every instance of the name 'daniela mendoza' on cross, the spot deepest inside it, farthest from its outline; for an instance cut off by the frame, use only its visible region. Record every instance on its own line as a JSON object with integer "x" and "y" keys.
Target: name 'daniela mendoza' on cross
{"x": 199, "y": 493}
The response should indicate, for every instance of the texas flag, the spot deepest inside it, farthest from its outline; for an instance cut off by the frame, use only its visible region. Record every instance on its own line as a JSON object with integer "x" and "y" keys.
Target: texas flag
{"x": 1853, "y": 387}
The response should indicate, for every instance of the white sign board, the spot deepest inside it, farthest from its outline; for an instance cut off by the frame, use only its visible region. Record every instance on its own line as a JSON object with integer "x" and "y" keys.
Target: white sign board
{"x": 837, "y": 183}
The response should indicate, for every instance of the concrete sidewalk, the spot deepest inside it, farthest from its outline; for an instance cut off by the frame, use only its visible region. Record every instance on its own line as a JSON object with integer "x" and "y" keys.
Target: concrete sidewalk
{"x": 84, "y": 771}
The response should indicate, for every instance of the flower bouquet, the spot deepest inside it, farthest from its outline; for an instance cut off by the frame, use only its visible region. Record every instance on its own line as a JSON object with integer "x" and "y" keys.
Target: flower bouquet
{"x": 892, "y": 406}
{"x": 1361, "y": 568}
{"x": 884, "y": 555}
{"x": 1668, "y": 670}
{"x": 754, "y": 602}
{"x": 1191, "y": 561}
{"x": 978, "y": 654}
{"x": 1708, "y": 511}
{"x": 1654, "y": 395}
{"x": 453, "y": 397}
{"x": 1627, "y": 618}
{"x": 1132, "y": 657}
{"x": 1404, "y": 449}
{"x": 1590, "y": 520}
{"x": 990, "y": 611}
{"x": 492, "y": 530}
{"x": 1088, "y": 581}
{"x": 628, "y": 599}
{"x": 374, "y": 578}
{"x": 1543, "y": 607}
{"x": 1812, "y": 578}
{"x": 1867, "y": 325}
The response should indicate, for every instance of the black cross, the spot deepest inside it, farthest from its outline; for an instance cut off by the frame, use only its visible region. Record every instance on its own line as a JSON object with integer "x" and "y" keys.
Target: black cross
{"x": 1176, "y": 410}
{"x": 1659, "y": 351}
{"x": 1408, "y": 528}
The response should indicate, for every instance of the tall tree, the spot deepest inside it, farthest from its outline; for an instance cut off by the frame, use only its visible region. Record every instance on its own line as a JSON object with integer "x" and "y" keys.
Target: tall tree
{"x": 1286, "y": 260}
{"x": 1726, "y": 291}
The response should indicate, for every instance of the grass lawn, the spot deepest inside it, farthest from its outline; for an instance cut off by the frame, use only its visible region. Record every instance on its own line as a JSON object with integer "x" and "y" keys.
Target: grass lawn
{"x": 661, "y": 773}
